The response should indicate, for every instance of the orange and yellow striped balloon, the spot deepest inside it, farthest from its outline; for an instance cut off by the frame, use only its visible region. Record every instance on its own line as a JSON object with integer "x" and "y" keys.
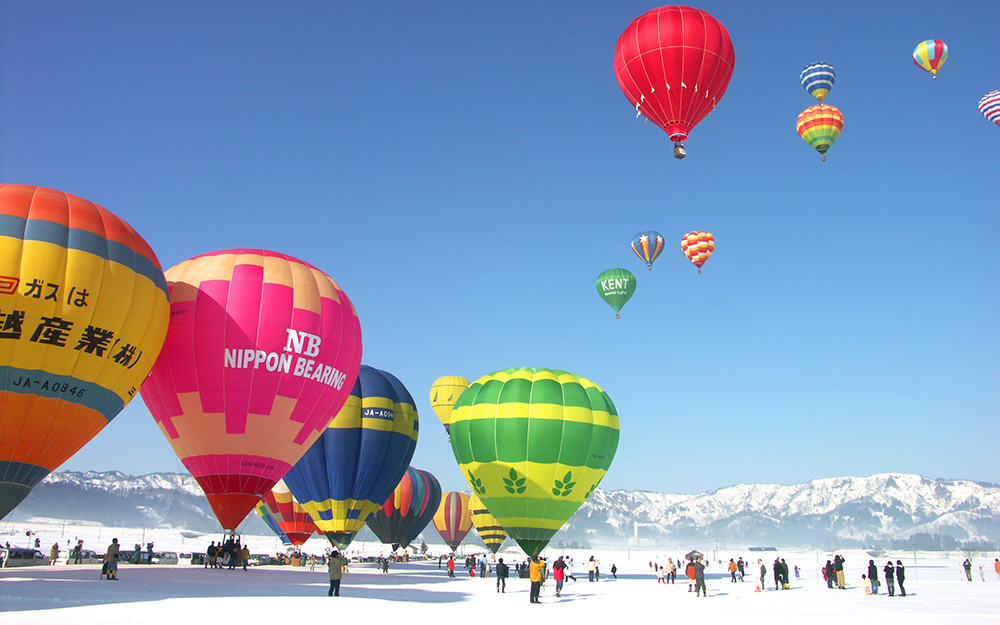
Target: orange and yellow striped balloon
{"x": 698, "y": 246}
{"x": 83, "y": 315}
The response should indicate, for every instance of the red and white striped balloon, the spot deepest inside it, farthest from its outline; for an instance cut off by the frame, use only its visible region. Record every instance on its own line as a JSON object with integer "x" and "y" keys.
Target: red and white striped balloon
{"x": 698, "y": 246}
{"x": 990, "y": 106}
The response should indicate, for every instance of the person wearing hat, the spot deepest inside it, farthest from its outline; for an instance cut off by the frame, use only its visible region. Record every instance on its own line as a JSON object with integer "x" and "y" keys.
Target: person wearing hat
{"x": 336, "y": 564}
{"x": 536, "y": 570}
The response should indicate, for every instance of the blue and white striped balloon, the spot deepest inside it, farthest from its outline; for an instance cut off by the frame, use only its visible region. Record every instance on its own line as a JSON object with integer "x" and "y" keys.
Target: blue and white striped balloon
{"x": 818, "y": 79}
{"x": 990, "y": 106}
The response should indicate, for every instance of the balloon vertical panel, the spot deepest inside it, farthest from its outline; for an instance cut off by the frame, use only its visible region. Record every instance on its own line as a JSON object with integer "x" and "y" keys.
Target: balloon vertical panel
{"x": 262, "y": 352}
{"x": 452, "y": 519}
{"x": 83, "y": 314}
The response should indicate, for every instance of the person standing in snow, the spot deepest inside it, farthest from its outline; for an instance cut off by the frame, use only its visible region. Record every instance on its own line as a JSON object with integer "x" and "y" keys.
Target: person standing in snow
{"x": 451, "y": 566}
{"x": 699, "y": 578}
{"x": 659, "y": 576}
{"x": 335, "y": 565}
{"x": 591, "y": 566}
{"x": 866, "y": 584}
{"x": 671, "y": 570}
{"x": 559, "y": 574}
{"x": 830, "y": 574}
{"x": 776, "y": 570}
{"x": 873, "y": 576}
{"x": 111, "y": 560}
{"x": 838, "y": 567}
{"x": 732, "y": 570}
{"x": 689, "y": 571}
{"x": 763, "y": 574}
{"x": 740, "y": 567}
{"x": 502, "y": 571}
{"x": 54, "y": 554}
{"x": 536, "y": 576}
{"x": 900, "y": 576}
{"x": 890, "y": 578}
{"x": 967, "y": 565}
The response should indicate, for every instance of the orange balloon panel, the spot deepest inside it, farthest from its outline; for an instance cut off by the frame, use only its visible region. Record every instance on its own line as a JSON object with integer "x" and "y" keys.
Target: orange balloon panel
{"x": 83, "y": 313}
{"x": 261, "y": 353}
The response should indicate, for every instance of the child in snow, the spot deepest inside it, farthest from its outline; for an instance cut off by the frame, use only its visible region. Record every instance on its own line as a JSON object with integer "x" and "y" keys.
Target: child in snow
{"x": 866, "y": 584}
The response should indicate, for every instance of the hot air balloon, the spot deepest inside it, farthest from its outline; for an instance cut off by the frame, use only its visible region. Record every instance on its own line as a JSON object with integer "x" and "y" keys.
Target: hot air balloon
{"x": 990, "y": 106}
{"x": 288, "y": 514}
{"x": 444, "y": 392}
{"x": 360, "y": 458}
{"x": 533, "y": 444}
{"x": 674, "y": 64}
{"x": 930, "y": 55}
{"x": 408, "y": 509}
{"x": 452, "y": 519}
{"x": 268, "y": 517}
{"x": 820, "y": 126}
{"x": 818, "y": 79}
{"x": 647, "y": 246}
{"x": 261, "y": 353}
{"x": 83, "y": 313}
{"x": 698, "y": 246}
{"x": 486, "y": 524}
{"x": 616, "y": 287}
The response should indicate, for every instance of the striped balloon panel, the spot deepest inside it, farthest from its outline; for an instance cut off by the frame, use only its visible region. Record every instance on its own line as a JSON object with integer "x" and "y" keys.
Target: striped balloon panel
{"x": 698, "y": 247}
{"x": 820, "y": 126}
{"x": 428, "y": 508}
{"x": 990, "y": 106}
{"x": 452, "y": 519}
{"x": 818, "y": 79}
{"x": 534, "y": 444}
{"x": 262, "y": 351}
{"x": 647, "y": 246}
{"x": 350, "y": 471}
{"x": 930, "y": 55}
{"x": 486, "y": 524}
{"x": 264, "y": 512}
{"x": 83, "y": 314}
{"x": 395, "y": 521}
{"x": 289, "y": 514}
{"x": 674, "y": 64}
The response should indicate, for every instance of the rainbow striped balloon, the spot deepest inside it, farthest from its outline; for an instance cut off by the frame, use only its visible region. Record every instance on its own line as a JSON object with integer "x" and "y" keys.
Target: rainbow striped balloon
{"x": 990, "y": 106}
{"x": 820, "y": 126}
{"x": 83, "y": 313}
{"x": 452, "y": 519}
{"x": 930, "y": 55}
{"x": 647, "y": 246}
{"x": 288, "y": 514}
{"x": 818, "y": 79}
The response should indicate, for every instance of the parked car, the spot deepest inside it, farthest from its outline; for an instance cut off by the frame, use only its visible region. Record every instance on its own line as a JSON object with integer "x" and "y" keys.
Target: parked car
{"x": 165, "y": 557}
{"x": 87, "y": 556}
{"x": 20, "y": 556}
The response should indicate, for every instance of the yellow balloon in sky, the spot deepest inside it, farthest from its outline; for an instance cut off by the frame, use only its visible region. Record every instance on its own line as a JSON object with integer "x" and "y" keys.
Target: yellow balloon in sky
{"x": 444, "y": 393}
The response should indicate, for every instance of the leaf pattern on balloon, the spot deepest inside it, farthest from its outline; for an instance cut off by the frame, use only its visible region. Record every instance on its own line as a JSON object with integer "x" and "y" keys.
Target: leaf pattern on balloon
{"x": 514, "y": 484}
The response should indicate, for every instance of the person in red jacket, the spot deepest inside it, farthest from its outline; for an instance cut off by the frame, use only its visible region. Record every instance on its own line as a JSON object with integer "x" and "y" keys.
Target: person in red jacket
{"x": 559, "y": 574}
{"x": 451, "y": 566}
{"x": 690, "y": 573}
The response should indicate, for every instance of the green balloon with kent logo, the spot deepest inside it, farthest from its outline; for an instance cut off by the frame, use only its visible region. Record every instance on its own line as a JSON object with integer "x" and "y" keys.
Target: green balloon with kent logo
{"x": 616, "y": 286}
{"x": 533, "y": 445}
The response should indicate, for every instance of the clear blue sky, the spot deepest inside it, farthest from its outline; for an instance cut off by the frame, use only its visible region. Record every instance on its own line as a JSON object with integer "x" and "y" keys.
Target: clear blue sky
{"x": 466, "y": 170}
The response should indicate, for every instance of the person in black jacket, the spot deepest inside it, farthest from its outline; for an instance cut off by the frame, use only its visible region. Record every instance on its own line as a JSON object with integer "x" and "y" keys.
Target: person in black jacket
{"x": 838, "y": 567}
{"x": 776, "y": 569}
{"x": 502, "y": 570}
{"x": 900, "y": 576}
{"x": 873, "y": 576}
{"x": 831, "y": 575}
{"x": 890, "y": 581}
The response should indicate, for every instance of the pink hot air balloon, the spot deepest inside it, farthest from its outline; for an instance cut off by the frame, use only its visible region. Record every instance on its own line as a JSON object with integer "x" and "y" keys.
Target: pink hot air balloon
{"x": 261, "y": 353}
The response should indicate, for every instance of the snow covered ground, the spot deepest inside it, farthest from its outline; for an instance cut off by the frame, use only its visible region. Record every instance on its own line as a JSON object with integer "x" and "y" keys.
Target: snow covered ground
{"x": 74, "y": 594}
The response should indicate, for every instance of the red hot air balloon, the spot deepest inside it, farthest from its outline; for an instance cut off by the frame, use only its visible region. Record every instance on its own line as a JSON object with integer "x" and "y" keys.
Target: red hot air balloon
{"x": 261, "y": 353}
{"x": 674, "y": 64}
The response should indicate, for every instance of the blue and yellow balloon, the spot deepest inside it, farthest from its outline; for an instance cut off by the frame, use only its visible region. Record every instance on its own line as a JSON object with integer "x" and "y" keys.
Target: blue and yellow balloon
{"x": 647, "y": 245}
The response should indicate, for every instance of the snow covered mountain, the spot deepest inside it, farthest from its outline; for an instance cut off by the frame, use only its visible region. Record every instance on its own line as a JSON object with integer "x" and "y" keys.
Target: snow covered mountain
{"x": 847, "y": 511}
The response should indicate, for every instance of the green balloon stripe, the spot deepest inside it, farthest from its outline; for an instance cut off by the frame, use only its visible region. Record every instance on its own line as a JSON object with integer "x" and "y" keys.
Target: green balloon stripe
{"x": 521, "y": 516}
{"x": 544, "y": 441}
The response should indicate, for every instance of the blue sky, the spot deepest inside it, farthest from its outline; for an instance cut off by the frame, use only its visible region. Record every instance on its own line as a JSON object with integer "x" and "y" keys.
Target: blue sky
{"x": 466, "y": 170}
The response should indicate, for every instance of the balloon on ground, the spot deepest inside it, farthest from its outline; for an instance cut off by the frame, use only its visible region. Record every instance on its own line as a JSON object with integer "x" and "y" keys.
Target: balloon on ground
{"x": 262, "y": 351}
{"x": 353, "y": 467}
{"x": 452, "y": 519}
{"x": 820, "y": 126}
{"x": 408, "y": 509}
{"x": 698, "y": 247}
{"x": 818, "y": 79}
{"x": 616, "y": 287}
{"x": 930, "y": 55}
{"x": 533, "y": 445}
{"x": 647, "y": 246}
{"x": 83, "y": 313}
{"x": 489, "y": 529}
{"x": 674, "y": 64}
{"x": 444, "y": 391}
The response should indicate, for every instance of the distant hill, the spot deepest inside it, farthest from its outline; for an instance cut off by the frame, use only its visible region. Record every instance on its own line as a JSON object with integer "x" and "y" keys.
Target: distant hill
{"x": 887, "y": 510}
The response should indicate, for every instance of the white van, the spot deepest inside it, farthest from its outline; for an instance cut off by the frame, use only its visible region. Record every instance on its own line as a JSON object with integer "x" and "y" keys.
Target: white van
{"x": 20, "y": 556}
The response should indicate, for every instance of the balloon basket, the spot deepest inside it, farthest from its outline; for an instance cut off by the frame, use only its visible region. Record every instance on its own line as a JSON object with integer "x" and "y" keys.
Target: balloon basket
{"x": 679, "y": 151}
{"x": 617, "y": 316}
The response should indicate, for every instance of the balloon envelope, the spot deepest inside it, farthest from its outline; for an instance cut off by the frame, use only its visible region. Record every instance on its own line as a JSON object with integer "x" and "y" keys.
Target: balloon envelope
{"x": 616, "y": 287}
{"x": 486, "y": 524}
{"x": 698, "y": 246}
{"x": 262, "y": 351}
{"x": 674, "y": 64}
{"x": 533, "y": 444}
{"x": 444, "y": 392}
{"x": 83, "y": 313}
{"x": 408, "y": 509}
{"x": 989, "y": 105}
{"x": 930, "y": 55}
{"x": 647, "y": 246}
{"x": 452, "y": 519}
{"x": 289, "y": 515}
{"x": 353, "y": 467}
{"x": 267, "y": 516}
{"x": 818, "y": 79}
{"x": 820, "y": 126}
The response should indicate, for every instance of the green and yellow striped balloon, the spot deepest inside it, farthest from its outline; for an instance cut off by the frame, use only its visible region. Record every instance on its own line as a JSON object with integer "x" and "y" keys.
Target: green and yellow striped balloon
{"x": 533, "y": 444}
{"x": 486, "y": 524}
